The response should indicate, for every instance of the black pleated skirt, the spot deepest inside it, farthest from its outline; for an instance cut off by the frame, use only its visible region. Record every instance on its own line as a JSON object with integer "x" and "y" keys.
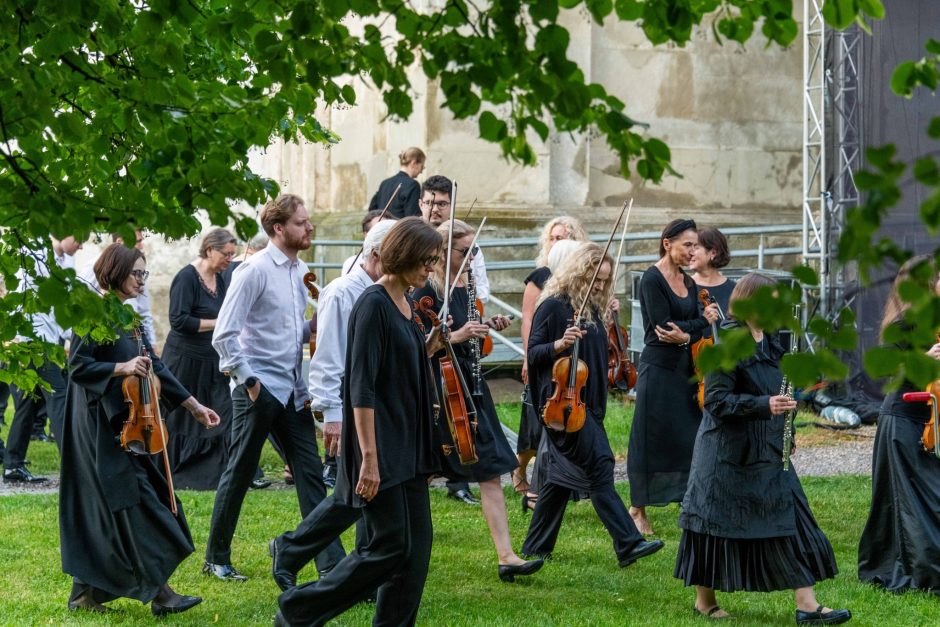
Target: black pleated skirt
{"x": 758, "y": 565}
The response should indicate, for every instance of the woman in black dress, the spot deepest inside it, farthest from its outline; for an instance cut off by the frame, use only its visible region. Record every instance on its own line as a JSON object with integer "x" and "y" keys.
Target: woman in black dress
{"x": 710, "y": 256}
{"x": 406, "y": 201}
{"x": 118, "y": 535}
{"x": 495, "y": 454}
{"x": 746, "y": 522}
{"x": 198, "y": 456}
{"x": 666, "y": 413}
{"x": 560, "y": 229}
{"x": 581, "y": 461}
{"x": 388, "y": 448}
{"x": 900, "y": 545}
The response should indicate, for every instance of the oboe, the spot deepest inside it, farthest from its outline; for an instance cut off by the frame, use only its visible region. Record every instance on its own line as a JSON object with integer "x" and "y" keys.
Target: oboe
{"x": 786, "y": 389}
{"x": 476, "y": 344}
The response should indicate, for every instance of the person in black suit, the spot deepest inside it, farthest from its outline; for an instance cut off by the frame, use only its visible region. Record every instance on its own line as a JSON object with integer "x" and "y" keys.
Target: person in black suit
{"x": 406, "y": 202}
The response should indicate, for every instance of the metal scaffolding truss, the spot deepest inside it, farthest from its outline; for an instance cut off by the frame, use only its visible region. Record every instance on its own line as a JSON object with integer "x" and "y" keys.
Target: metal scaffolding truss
{"x": 831, "y": 154}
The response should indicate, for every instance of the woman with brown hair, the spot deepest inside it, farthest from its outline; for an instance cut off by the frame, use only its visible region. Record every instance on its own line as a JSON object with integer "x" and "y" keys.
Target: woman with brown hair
{"x": 580, "y": 461}
{"x": 900, "y": 545}
{"x": 710, "y": 256}
{"x": 746, "y": 523}
{"x": 666, "y": 413}
{"x": 495, "y": 454}
{"x": 118, "y": 534}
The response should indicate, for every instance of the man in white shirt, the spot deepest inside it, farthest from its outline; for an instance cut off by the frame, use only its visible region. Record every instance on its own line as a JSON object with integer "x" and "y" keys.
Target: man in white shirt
{"x": 293, "y": 550}
{"x": 46, "y": 328}
{"x": 259, "y": 335}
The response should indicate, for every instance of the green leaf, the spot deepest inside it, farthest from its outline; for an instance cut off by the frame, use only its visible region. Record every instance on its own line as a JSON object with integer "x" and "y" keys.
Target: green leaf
{"x": 839, "y": 13}
{"x": 882, "y": 361}
{"x": 925, "y": 171}
{"x": 903, "y": 79}
{"x": 873, "y": 8}
{"x": 492, "y": 128}
{"x": 933, "y": 46}
{"x": 628, "y": 10}
{"x": 805, "y": 275}
{"x": 933, "y": 129}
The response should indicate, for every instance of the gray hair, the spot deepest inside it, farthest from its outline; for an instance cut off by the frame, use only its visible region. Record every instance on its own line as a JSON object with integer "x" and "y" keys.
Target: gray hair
{"x": 216, "y": 239}
{"x": 560, "y": 252}
{"x": 373, "y": 240}
{"x": 259, "y": 241}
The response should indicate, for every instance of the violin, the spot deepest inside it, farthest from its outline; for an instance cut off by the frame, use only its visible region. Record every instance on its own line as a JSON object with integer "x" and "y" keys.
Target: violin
{"x": 705, "y": 299}
{"x": 621, "y": 373}
{"x": 310, "y": 282}
{"x": 144, "y": 431}
{"x": 564, "y": 410}
{"x": 459, "y": 408}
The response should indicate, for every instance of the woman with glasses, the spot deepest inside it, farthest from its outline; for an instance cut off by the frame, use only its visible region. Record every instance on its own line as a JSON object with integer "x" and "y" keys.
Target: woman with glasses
{"x": 495, "y": 455}
{"x": 119, "y": 537}
{"x": 198, "y": 456}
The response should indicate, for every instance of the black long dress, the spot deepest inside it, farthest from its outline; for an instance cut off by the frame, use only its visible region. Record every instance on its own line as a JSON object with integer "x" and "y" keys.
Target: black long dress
{"x": 900, "y": 545}
{"x": 746, "y": 522}
{"x": 530, "y": 426}
{"x": 117, "y": 533}
{"x": 495, "y": 455}
{"x": 666, "y": 414}
{"x": 198, "y": 456}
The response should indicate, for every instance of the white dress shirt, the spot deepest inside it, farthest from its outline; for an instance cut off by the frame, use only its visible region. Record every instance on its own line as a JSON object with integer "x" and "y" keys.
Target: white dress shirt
{"x": 140, "y": 303}
{"x": 44, "y": 324}
{"x": 261, "y": 329}
{"x": 329, "y": 361}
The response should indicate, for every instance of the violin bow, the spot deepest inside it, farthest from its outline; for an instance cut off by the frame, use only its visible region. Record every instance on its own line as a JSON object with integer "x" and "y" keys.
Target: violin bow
{"x": 623, "y": 236}
{"x": 600, "y": 263}
{"x": 381, "y": 217}
{"x": 463, "y": 264}
{"x": 470, "y": 210}
{"x": 450, "y": 241}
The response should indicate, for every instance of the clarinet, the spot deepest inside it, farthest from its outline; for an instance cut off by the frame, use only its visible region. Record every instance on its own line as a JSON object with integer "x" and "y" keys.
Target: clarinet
{"x": 476, "y": 344}
{"x": 786, "y": 389}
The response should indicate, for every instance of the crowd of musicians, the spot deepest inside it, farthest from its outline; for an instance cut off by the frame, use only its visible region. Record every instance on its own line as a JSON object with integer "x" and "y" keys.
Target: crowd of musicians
{"x": 394, "y": 332}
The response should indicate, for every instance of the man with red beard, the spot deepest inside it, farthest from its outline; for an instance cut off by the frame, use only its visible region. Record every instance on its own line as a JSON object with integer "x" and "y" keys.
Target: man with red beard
{"x": 259, "y": 335}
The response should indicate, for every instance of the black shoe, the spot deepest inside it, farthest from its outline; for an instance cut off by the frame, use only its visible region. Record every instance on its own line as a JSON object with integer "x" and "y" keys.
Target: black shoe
{"x": 528, "y": 503}
{"x": 464, "y": 495}
{"x": 642, "y": 549}
{"x": 177, "y": 603}
{"x": 225, "y": 572}
{"x": 21, "y": 475}
{"x": 329, "y": 476}
{"x": 40, "y": 437}
{"x": 86, "y": 602}
{"x": 259, "y": 484}
{"x": 284, "y": 578}
{"x": 280, "y": 621}
{"x": 509, "y": 572}
{"x": 832, "y": 617}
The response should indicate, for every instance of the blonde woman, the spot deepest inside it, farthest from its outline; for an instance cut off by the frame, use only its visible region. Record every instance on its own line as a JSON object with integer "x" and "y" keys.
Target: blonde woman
{"x": 405, "y": 204}
{"x": 495, "y": 454}
{"x": 583, "y": 460}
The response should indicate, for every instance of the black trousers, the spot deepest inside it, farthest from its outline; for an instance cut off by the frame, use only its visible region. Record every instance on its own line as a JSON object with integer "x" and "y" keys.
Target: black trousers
{"x": 295, "y": 431}
{"x": 550, "y": 509}
{"x": 395, "y": 559}
{"x": 26, "y": 409}
{"x": 317, "y": 530}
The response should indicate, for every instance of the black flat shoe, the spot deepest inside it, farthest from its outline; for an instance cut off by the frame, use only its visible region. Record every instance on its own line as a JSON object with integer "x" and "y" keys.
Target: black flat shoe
{"x": 284, "y": 578}
{"x": 180, "y": 604}
{"x": 464, "y": 496}
{"x": 87, "y": 603}
{"x": 641, "y": 550}
{"x": 21, "y": 475}
{"x": 259, "y": 484}
{"x": 832, "y": 617}
{"x": 225, "y": 572}
{"x": 509, "y": 572}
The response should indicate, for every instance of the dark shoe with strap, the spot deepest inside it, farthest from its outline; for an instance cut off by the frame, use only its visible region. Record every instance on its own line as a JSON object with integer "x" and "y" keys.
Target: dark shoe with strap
{"x": 528, "y": 503}
{"x": 21, "y": 475}
{"x": 259, "y": 484}
{"x": 640, "y": 550}
{"x": 711, "y": 613}
{"x": 464, "y": 496}
{"x": 509, "y": 572}
{"x": 284, "y": 578}
{"x": 819, "y": 617}
{"x": 169, "y": 602}
{"x": 225, "y": 572}
{"x": 86, "y": 602}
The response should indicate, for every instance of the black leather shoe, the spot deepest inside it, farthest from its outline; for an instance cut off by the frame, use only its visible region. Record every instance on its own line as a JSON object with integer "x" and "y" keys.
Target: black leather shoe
{"x": 284, "y": 578}
{"x": 509, "y": 572}
{"x": 832, "y": 617}
{"x": 329, "y": 476}
{"x": 642, "y": 549}
{"x": 225, "y": 572}
{"x": 21, "y": 475}
{"x": 179, "y": 604}
{"x": 260, "y": 484}
{"x": 280, "y": 621}
{"x": 465, "y": 496}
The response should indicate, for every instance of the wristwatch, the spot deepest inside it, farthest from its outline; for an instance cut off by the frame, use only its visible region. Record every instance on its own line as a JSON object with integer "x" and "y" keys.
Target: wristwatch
{"x": 250, "y": 382}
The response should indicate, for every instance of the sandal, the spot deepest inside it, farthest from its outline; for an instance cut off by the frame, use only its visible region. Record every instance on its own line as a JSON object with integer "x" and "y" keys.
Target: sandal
{"x": 711, "y": 613}
{"x": 528, "y": 503}
{"x": 519, "y": 484}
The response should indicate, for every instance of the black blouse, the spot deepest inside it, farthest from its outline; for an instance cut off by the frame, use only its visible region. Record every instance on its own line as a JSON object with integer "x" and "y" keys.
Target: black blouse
{"x": 539, "y": 277}
{"x": 190, "y": 302}
{"x": 659, "y": 305}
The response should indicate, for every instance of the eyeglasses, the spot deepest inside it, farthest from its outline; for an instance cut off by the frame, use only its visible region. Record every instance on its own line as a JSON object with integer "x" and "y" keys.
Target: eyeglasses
{"x": 440, "y": 204}
{"x": 140, "y": 275}
{"x": 463, "y": 251}
{"x": 225, "y": 254}
{"x": 430, "y": 262}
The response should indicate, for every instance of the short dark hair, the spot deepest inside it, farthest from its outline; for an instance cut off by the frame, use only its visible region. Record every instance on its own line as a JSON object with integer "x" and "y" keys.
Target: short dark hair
{"x": 437, "y": 184}
{"x": 673, "y": 230}
{"x": 711, "y": 238}
{"x": 408, "y": 244}
{"x": 115, "y": 265}
{"x": 279, "y": 211}
{"x": 368, "y": 218}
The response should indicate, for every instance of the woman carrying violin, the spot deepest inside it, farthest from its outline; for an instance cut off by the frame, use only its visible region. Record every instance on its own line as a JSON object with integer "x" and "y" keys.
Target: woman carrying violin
{"x": 666, "y": 414}
{"x": 581, "y": 460}
{"x": 388, "y": 450}
{"x": 495, "y": 455}
{"x": 709, "y": 257}
{"x": 900, "y": 545}
{"x": 119, "y": 536}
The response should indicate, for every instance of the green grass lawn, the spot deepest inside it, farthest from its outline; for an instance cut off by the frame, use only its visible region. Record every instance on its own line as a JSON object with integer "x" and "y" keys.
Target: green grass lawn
{"x": 581, "y": 586}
